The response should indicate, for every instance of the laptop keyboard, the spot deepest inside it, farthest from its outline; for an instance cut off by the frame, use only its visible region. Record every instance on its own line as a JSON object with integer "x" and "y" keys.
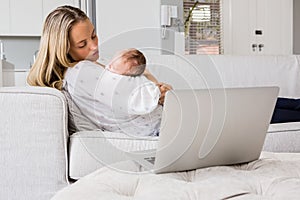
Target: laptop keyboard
{"x": 150, "y": 159}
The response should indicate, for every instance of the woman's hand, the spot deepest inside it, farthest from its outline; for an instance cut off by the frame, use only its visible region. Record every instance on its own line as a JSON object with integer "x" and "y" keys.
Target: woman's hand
{"x": 163, "y": 87}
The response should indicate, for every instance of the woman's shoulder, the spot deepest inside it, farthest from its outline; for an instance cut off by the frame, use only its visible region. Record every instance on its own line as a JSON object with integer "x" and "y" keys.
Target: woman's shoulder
{"x": 83, "y": 70}
{"x": 85, "y": 67}
{"x": 88, "y": 64}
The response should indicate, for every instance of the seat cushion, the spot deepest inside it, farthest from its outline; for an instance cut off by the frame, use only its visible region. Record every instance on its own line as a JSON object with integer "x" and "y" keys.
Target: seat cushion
{"x": 273, "y": 176}
{"x": 90, "y": 150}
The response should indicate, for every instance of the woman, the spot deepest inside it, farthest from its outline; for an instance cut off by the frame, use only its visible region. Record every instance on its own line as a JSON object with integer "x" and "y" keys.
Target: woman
{"x": 62, "y": 46}
{"x": 66, "y": 61}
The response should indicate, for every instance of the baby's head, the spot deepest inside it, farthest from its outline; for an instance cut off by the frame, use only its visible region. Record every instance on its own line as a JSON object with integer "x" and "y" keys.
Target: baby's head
{"x": 130, "y": 62}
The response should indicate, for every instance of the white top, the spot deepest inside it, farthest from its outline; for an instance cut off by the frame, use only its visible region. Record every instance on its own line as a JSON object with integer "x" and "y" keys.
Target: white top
{"x": 112, "y": 102}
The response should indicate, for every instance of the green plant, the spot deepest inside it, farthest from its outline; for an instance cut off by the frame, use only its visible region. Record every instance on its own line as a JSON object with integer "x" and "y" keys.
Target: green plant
{"x": 188, "y": 18}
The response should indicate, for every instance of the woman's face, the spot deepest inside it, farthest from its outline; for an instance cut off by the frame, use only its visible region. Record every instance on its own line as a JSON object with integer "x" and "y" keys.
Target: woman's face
{"x": 83, "y": 41}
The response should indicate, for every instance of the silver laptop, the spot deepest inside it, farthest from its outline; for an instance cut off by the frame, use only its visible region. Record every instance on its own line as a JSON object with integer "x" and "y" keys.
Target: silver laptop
{"x": 210, "y": 127}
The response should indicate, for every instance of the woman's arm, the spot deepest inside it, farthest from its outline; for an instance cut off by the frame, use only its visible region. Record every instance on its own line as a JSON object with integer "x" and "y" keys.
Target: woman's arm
{"x": 149, "y": 76}
{"x": 102, "y": 65}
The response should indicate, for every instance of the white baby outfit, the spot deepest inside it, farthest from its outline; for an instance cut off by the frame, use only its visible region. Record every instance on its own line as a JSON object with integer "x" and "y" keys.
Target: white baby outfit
{"x": 100, "y": 99}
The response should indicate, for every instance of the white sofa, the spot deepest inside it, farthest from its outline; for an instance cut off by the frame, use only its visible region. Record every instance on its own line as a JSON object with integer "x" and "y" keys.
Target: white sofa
{"x": 274, "y": 176}
{"x": 38, "y": 157}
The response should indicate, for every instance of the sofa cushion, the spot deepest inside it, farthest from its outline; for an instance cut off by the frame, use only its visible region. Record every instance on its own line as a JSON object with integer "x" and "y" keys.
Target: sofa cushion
{"x": 90, "y": 150}
{"x": 274, "y": 176}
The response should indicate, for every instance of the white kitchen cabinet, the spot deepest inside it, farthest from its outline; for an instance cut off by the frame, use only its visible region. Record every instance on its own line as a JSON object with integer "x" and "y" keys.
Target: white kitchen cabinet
{"x": 6, "y": 79}
{"x": 49, "y": 5}
{"x": 21, "y": 77}
{"x": 25, "y": 18}
{"x": 15, "y": 77}
{"x": 258, "y": 27}
{"x": 4, "y": 17}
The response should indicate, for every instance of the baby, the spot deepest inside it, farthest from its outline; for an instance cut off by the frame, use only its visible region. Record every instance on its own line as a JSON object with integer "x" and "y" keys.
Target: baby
{"x": 129, "y": 62}
{"x": 132, "y": 62}
{"x": 129, "y": 97}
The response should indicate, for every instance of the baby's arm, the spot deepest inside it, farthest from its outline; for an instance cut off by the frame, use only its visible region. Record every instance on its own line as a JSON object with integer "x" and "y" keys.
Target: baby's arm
{"x": 163, "y": 87}
{"x": 144, "y": 98}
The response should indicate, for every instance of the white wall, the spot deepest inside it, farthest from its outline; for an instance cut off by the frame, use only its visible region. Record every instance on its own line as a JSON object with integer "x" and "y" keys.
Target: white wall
{"x": 131, "y": 23}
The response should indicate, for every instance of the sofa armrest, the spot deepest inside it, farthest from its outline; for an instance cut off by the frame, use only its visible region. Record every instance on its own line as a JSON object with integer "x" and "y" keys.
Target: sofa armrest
{"x": 283, "y": 137}
{"x": 33, "y": 142}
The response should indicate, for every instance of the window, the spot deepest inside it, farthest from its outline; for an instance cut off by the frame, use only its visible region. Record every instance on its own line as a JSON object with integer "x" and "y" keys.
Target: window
{"x": 202, "y": 23}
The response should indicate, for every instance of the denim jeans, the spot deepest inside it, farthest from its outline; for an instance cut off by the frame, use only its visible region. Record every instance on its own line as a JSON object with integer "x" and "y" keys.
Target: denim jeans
{"x": 286, "y": 110}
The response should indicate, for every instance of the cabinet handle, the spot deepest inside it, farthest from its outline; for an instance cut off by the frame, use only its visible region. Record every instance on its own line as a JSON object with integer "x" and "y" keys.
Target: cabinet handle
{"x": 260, "y": 46}
{"x": 254, "y": 46}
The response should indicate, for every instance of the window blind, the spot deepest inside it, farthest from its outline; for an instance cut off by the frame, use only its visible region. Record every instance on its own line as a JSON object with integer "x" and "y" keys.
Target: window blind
{"x": 203, "y": 30}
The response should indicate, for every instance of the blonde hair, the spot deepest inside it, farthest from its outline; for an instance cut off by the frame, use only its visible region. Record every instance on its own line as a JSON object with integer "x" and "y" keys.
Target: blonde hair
{"x": 53, "y": 60}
